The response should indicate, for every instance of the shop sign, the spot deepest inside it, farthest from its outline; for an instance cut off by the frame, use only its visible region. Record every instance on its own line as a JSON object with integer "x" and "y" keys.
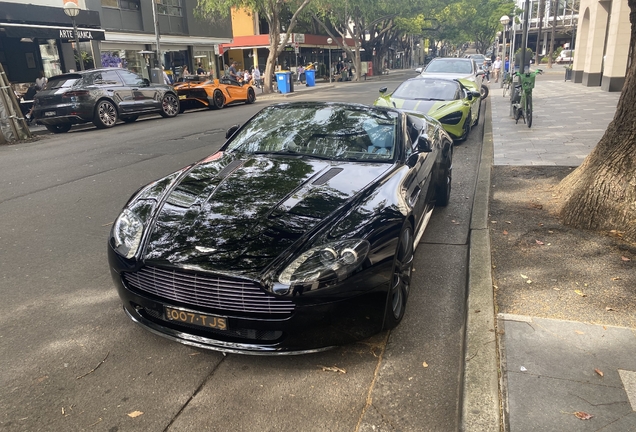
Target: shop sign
{"x": 299, "y": 37}
{"x": 82, "y": 34}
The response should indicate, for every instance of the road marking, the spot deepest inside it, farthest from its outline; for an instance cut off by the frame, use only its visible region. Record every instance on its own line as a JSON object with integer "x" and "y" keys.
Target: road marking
{"x": 629, "y": 382}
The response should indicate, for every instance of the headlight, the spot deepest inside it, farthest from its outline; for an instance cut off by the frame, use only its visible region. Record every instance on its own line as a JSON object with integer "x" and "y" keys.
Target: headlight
{"x": 327, "y": 263}
{"x": 127, "y": 233}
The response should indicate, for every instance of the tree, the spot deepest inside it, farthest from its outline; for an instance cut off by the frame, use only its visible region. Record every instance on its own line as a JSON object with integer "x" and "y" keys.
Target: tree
{"x": 553, "y": 31}
{"x": 272, "y": 11}
{"x": 601, "y": 193}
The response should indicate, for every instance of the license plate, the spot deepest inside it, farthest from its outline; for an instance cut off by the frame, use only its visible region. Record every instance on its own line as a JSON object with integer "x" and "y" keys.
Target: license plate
{"x": 197, "y": 319}
{"x": 182, "y": 96}
{"x": 49, "y": 113}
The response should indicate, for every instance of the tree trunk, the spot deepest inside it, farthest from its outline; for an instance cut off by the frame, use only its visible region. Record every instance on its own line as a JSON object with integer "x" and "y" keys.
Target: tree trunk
{"x": 601, "y": 193}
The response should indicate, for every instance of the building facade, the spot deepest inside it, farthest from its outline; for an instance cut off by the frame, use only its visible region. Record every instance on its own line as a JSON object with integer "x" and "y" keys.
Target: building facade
{"x": 602, "y": 44}
{"x": 38, "y": 36}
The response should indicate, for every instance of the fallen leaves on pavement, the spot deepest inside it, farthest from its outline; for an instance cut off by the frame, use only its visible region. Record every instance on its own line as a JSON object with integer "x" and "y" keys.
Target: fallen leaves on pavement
{"x": 332, "y": 369}
{"x": 581, "y": 293}
{"x": 583, "y": 415}
{"x": 598, "y": 371}
{"x": 135, "y": 414}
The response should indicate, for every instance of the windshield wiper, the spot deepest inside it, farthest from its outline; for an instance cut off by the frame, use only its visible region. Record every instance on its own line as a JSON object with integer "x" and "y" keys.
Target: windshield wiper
{"x": 430, "y": 99}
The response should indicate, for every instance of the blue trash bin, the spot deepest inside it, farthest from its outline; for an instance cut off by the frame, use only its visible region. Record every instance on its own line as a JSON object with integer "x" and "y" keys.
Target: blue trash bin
{"x": 283, "y": 81}
{"x": 310, "y": 77}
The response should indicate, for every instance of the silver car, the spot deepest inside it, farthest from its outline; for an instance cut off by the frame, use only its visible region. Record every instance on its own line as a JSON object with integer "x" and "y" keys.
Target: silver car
{"x": 457, "y": 68}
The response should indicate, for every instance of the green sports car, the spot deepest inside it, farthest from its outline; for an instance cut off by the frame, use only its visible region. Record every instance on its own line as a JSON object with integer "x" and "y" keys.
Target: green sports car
{"x": 455, "y": 103}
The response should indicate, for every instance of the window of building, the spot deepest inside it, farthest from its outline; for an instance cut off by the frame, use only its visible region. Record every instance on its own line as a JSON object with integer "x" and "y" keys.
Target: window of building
{"x": 169, "y": 7}
{"x": 122, "y": 4}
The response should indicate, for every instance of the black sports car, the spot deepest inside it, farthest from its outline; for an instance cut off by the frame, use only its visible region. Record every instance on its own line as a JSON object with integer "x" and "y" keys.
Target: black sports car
{"x": 101, "y": 96}
{"x": 297, "y": 235}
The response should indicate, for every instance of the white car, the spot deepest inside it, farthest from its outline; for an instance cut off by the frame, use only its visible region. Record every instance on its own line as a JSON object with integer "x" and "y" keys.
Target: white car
{"x": 566, "y": 56}
{"x": 460, "y": 68}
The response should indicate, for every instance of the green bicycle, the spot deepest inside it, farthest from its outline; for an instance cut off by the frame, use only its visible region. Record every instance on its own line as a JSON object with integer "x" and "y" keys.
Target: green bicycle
{"x": 522, "y": 96}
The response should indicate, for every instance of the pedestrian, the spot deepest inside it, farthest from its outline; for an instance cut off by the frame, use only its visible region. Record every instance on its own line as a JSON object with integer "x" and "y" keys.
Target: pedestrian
{"x": 40, "y": 81}
{"x": 257, "y": 76}
{"x": 28, "y": 99}
{"x": 200, "y": 70}
{"x": 486, "y": 70}
{"x": 166, "y": 79}
{"x": 232, "y": 72}
{"x": 496, "y": 68}
{"x": 246, "y": 76}
{"x": 506, "y": 67}
{"x": 185, "y": 71}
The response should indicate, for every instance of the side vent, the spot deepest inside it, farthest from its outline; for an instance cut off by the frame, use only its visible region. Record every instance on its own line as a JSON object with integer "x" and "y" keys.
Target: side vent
{"x": 327, "y": 176}
{"x": 229, "y": 168}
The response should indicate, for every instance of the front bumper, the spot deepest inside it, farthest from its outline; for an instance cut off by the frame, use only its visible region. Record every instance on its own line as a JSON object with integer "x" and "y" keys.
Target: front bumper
{"x": 312, "y": 326}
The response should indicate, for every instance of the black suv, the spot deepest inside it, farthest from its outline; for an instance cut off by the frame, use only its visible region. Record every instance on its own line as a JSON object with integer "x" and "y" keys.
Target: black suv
{"x": 101, "y": 96}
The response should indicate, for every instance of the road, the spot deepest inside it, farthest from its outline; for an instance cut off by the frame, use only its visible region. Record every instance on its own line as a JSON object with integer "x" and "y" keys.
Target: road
{"x": 71, "y": 359}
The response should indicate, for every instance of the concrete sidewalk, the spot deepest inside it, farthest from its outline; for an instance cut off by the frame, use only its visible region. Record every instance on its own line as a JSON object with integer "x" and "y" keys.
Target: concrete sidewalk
{"x": 541, "y": 364}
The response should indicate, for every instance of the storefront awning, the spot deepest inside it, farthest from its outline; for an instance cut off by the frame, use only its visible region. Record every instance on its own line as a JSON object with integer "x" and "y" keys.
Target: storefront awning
{"x": 41, "y": 31}
{"x": 148, "y": 38}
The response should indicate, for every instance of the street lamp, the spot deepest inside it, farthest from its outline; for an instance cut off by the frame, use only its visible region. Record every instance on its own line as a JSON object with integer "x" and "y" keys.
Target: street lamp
{"x": 504, "y": 20}
{"x": 498, "y": 37}
{"x": 72, "y": 9}
{"x": 329, "y": 40}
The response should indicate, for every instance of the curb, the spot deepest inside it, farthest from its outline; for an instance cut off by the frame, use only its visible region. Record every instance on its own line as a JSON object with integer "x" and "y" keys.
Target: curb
{"x": 480, "y": 395}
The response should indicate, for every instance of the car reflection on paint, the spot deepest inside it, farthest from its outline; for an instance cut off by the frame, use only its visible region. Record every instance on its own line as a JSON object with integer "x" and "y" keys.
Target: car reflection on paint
{"x": 296, "y": 236}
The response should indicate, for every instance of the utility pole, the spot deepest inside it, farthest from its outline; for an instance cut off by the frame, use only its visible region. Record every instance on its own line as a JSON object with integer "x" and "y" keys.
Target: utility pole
{"x": 553, "y": 33}
{"x": 524, "y": 38}
{"x": 536, "y": 51}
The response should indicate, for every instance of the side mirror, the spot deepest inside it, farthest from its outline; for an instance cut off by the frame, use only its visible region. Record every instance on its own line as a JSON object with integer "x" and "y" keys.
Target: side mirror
{"x": 232, "y": 130}
{"x": 424, "y": 144}
{"x": 418, "y": 70}
{"x": 146, "y": 82}
{"x": 476, "y": 94}
{"x": 480, "y": 72}
{"x": 383, "y": 90}
{"x": 469, "y": 95}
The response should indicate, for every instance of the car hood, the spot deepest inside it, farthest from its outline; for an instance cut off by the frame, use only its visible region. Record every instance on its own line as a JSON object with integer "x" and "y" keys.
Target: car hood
{"x": 236, "y": 215}
{"x": 423, "y": 106}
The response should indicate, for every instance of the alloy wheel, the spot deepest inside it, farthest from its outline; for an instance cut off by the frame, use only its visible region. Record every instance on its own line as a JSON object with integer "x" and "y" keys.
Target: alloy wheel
{"x": 107, "y": 113}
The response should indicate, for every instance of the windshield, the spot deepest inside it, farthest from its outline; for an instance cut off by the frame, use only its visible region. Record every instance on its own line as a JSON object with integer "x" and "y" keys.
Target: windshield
{"x": 450, "y": 66}
{"x": 62, "y": 82}
{"x": 427, "y": 88}
{"x": 321, "y": 131}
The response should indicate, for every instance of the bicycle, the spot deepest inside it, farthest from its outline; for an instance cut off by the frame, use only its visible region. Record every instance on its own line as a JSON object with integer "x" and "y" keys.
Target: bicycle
{"x": 522, "y": 97}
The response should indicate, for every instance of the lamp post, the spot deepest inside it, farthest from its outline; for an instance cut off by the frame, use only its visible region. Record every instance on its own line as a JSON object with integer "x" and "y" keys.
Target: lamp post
{"x": 504, "y": 20}
{"x": 72, "y": 9}
{"x": 329, "y": 40}
{"x": 498, "y": 37}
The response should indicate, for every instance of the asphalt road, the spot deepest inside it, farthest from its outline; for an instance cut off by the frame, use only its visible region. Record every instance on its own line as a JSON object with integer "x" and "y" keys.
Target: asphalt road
{"x": 71, "y": 360}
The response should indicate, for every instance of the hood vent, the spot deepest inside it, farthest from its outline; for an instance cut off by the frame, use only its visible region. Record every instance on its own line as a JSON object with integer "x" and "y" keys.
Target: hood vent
{"x": 229, "y": 168}
{"x": 327, "y": 176}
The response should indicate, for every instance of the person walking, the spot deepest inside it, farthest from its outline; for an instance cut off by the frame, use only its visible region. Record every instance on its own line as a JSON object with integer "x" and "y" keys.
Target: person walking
{"x": 256, "y": 74}
{"x": 496, "y": 68}
{"x": 486, "y": 68}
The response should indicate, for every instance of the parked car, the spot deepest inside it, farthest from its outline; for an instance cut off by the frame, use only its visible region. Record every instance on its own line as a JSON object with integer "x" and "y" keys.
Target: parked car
{"x": 455, "y": 104}
{"x": 461, "y": 68}
{"x": 297, "y": 235}
{"x": 101, "y": 96}
{"x": 479, "y": 59}
{"x": 565, "y": 56}
{"x": 201, "y": 92}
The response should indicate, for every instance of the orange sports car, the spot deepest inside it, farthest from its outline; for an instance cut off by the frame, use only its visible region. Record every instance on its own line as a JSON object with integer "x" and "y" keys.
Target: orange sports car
{"x": 199, "y": 92}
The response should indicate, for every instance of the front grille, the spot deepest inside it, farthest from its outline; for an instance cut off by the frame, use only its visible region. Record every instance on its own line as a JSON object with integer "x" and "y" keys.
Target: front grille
{"x": 206, "y": 290}
{"x": 252, "y": 334}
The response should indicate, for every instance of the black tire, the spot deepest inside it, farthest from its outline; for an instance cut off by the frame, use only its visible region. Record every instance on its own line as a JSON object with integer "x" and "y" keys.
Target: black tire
{"x": 529, "y": 110}
{"x": 484, "y": 91}
{"x": 401, "y": 278}
{"x": 105, "y": 114}
{"x": 517, "y": 112}
{"x": 61, "y": 128}
{"x": 251, "y": 96}
{"x": 218, "y": 100}
{"x": 443, "y": 190}
{"x": 169, "y": 105}
{"x": 129, "y": 119}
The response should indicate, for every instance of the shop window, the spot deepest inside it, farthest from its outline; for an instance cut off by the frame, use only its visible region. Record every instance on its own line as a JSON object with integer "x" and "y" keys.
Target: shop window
{"x": 110, "y": 3}
{"x": 169, "y": 7}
